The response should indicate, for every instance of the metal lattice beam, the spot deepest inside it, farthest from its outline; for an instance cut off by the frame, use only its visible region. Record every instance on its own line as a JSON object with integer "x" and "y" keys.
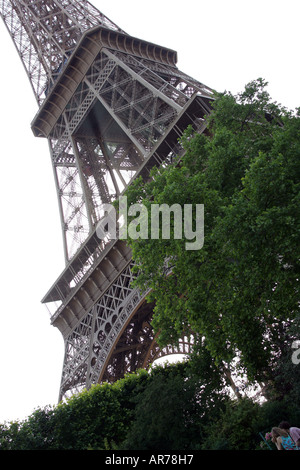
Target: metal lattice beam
{"x": 46, "y": 32}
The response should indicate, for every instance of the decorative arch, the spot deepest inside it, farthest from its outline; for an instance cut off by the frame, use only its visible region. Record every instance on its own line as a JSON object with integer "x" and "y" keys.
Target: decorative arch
{"x": 113, "y": 339}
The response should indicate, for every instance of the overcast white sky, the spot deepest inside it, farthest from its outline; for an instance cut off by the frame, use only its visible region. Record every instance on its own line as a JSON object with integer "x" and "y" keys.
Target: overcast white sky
{"x": 224, "y": 44}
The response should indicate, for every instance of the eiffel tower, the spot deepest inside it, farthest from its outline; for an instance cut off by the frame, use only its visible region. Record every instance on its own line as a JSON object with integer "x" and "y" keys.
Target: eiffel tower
{"x": 112, "y": 107}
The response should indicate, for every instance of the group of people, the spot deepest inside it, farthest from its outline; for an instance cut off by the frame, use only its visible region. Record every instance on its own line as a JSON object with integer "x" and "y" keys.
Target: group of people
{"x": 286, "y": 437}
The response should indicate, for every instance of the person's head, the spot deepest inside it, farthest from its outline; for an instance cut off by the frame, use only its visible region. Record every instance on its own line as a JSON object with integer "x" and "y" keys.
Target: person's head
{"x": 284, "y": 425}
{"x": 276, "y": 432}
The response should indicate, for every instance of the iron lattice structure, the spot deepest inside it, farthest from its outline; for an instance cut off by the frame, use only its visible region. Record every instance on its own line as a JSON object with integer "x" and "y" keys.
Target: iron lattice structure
{"x": 111, "y": 107}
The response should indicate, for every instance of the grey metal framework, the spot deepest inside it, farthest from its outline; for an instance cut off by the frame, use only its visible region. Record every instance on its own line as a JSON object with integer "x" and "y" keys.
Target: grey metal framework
{"x": 111, "y": 107}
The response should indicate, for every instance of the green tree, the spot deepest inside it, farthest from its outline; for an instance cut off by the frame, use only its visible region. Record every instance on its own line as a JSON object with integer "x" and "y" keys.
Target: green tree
{"x": 236, "y": 428}
{"x": 92, "y": 419}
{"x": 173, "y": 409}
{"x": 241, "y": 290}
{"x": 34, "y": 433}
{"x": 165, "y": 408}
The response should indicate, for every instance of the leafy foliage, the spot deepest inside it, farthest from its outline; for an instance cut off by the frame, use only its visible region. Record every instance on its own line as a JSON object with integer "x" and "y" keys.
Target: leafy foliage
{"x": 163, "y": 408}
{"x": 172, "y": 407}
{"x": 241, "y": 290}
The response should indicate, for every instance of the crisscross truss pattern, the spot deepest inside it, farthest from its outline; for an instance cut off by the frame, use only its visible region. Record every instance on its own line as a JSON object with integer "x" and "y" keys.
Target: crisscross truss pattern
{"x": 118, "y": 113}
{"x": 114, "y": 338}
{"x": 46, "y": 32}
